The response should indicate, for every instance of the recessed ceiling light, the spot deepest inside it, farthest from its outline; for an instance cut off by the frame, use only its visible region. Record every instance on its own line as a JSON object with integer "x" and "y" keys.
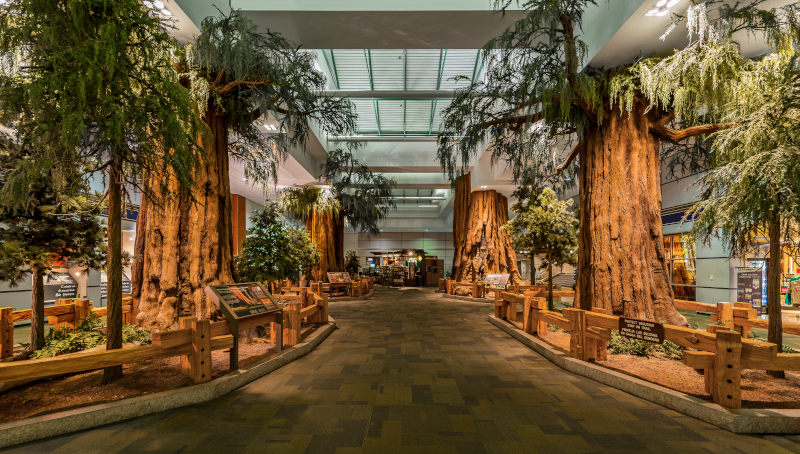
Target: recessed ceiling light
{"x": 484, "y": 187}
{"x": 160, "y": 5}
{"x": 166, "y": 12}
{"x": 148, "y": 4}
{"x": 245, "y": 179}
{"x": 672, "y": 3}
{"x": 661, "y": 3}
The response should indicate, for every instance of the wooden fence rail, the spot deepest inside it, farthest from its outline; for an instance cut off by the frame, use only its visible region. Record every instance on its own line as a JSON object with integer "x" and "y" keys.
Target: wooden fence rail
{"x": 193, "y": 341}
{"x": 722, "y": 353}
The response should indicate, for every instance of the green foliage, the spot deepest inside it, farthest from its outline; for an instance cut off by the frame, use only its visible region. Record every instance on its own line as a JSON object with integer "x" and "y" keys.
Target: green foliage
{"x": 97, "y": 87}
{"x": 352, "y": 262}
{"x": 300, "y": 202}
{"x": 624, "y": 346}
{"x": 274, "y": 250}
{"x": 89, "y": 334}
{"x": 244, "y": 74}
{"x": 545, "y": 225}
{"x": 671, "y": 350}
{"x": 50, "y": 222}
{"x": 534, "y": 93}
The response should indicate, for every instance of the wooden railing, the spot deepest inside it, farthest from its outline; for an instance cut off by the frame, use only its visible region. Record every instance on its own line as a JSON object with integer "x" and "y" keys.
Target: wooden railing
{"x": 193, "y": 342}
{"x": 739, "y": 316}
{"x": 359, "y": 287}
{"x": 476, "y": 288}
{"x": 65, "y": 312}
{"x": 722, "y": 354}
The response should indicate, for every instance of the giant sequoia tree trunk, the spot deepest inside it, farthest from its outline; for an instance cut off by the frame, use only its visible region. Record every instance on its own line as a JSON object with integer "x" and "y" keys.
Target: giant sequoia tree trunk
{"x": 185, "y": 246}
{"x": 621, "y": 257}
{"x": 327, "y": 232}
{"x": 480, "y": 247}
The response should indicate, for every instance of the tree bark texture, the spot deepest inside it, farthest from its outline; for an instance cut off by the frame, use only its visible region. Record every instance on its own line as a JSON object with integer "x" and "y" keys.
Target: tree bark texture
{"x": 775, "y": 331}
{"x": 481, "y": 248}
{"x": 621, "y": 258}
{"x": 37, "y": 308}
{"x": 327, "y": 232}
{"x": 460, "y": 219}
{"x": 114, "y": 270}
{"x": 183, "y": 245}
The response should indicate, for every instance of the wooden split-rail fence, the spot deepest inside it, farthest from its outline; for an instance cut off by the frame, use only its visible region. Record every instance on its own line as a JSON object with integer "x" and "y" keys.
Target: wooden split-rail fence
{"x": 193, "y": 342}
{"x": 478, "y": 289}
{"x": 720, "y": 352}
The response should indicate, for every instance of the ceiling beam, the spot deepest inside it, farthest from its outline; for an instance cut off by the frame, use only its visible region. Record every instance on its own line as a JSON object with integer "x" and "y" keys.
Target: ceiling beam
{"x": 391, "y": 94}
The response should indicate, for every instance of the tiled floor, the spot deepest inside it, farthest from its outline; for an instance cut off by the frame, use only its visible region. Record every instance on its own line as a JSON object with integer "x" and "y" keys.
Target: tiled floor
{"x": 409, "y": 372}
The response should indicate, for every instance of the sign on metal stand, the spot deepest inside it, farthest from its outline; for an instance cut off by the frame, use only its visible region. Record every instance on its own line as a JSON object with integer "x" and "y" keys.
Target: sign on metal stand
{"x": 241, "y": 301}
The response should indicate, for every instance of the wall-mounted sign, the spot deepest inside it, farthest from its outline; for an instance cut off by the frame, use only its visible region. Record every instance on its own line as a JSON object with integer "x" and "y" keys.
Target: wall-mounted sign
{"x": 370, "y": 259}
{"x": 645, "y": 330}
{"x": 339, "y": 278}
{"x": 126, "y": 284}
{"x": 497, "y": 279}
{"x": 748, "y": 286}
{"x": 59, "y": 285}
{"x": 242, "y": 300}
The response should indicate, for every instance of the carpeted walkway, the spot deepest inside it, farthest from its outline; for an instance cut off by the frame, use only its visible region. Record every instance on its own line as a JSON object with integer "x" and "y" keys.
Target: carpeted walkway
{"x": 409, "y": 372}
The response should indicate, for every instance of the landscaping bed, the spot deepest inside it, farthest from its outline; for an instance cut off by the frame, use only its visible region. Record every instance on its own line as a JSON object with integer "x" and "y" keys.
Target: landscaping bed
{"x": 148, "y": 377}
{"x": 759, "y": 390}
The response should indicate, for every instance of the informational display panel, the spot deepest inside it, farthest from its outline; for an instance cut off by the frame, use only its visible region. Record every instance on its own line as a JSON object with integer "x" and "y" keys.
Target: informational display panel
{"x": 243, "y": 300}
{"x": 339, "y": 278}
{"x": 748, "y": 285}
{"x": 497, "y": 279}
{"x": 59, "y": 285}
{"x": 126, "y": 284}
{"x": 645, "y": 330}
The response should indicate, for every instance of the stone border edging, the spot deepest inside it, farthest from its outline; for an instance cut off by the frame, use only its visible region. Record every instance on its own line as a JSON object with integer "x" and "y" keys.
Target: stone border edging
{"x": 468, "y": 298}
{"x": 60, "y": 423}
{"x": 740, "y": 421}
{"x": 352, "y": 298}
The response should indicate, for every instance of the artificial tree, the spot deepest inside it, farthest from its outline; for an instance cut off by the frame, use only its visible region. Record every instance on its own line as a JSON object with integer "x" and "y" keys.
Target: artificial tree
{"x": 352, "y": 195}
{"x": 538, "y": 94}
{"x": 480, "y": 248}
{"x": 242, "y": 78}
{"x": 52, "y": 227}
{"x": 353, "y": 263}
{"x": 98, "y": 89}
{"x": 274, "y": 249}
{"x": 545, "y": 225}
{"x": 753, "y": 188}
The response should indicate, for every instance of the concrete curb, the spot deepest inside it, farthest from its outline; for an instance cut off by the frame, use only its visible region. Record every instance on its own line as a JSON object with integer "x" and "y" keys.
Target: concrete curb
{"x": 352, "y": 298}
{"x": 742, "y": 421}
{"x": 64, "y": 422}
{"x": 468, "y": 298}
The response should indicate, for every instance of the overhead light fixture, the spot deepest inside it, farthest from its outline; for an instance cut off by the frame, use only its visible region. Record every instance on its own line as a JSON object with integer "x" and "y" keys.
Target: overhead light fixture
{"x": 661, "y": 8}
{"x": 245, "y": 179}
{"x": 429, "y": 206}
{"x": 484, "y": 187}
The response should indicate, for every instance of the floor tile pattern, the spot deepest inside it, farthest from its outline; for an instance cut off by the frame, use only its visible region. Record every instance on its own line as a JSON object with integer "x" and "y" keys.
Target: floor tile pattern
{"x": 410, "y": 372}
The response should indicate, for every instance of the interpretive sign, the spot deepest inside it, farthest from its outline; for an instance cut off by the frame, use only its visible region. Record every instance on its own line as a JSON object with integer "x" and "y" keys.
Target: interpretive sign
{"x": 59, "y": 285}
{"x": 497, "y": 279}
{"x": 339, "y": 278}
{"x": 645, "y": 330}
{"x": 748, "y": 285}
{"x": 242, "y": 300}
{"x": 126, "y": 284}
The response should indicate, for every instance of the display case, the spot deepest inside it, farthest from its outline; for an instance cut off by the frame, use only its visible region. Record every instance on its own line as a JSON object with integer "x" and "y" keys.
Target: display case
{"x": 398, "y": 276}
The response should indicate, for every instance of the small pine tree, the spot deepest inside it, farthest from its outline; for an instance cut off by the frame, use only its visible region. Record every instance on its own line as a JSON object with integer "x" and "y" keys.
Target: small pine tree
{"x": 53, "y": 225}
{"x": 274, "y": 250}
{"x": 545, "y": 225}
{"x": 352, "y": 263}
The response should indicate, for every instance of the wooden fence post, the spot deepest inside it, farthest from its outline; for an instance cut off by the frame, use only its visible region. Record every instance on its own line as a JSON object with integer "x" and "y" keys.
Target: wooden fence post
{"x": 725, "y": 314}
{"x": 727, "y": 370}
{"x": 200, "y": 363}
{"x": 602, "y": 346}
{"x": 6, "y": 333}
{"x": 291, "y": 324}
{"x": 498, "y": 301}
{"x": 82, "y": 308}
{"x": 54, "y": 319}
{"x": 577, "y": 338}
{"x": 528, "y": 322}
{"x": 323, "y": 309}
{"x": 183, "y": 323}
